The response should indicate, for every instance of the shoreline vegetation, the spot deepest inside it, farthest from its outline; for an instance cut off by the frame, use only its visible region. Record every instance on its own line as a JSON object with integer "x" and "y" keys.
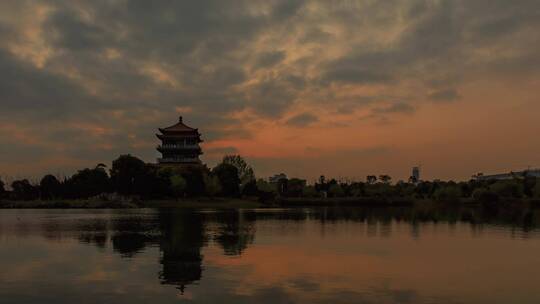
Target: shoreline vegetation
{"x": 132, "y": 183}
{"x": 254, "y": 203}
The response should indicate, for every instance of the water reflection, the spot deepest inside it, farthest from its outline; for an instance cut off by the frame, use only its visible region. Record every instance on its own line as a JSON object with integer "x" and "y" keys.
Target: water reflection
{"x": 182, "y": 238}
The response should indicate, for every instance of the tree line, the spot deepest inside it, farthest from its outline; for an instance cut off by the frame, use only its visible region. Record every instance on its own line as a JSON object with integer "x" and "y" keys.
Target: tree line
{"x": 130, "y": 176}
{"x": 234, "y": 177}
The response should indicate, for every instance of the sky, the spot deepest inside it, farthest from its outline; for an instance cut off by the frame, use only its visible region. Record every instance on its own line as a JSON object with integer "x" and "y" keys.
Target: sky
{"x": 340, "y": 88}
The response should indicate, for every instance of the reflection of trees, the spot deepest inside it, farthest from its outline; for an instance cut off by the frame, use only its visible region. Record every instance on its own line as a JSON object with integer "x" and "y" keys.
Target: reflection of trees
{"x": 129, "y": 243}
{"x": 183, "y": 236}
{"x": 236, "y": 231}
{"x": 133, "y": 234}
{"x": 97, "y": 238}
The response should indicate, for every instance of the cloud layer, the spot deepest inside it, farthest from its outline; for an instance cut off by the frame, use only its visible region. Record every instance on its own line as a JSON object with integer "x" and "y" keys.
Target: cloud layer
{"x": 83, "y": 81}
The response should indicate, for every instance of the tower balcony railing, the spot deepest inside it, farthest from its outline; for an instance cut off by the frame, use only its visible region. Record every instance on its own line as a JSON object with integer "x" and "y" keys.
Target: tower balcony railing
{"x": 178, "y": 160}
{"x": 178, "y": 146}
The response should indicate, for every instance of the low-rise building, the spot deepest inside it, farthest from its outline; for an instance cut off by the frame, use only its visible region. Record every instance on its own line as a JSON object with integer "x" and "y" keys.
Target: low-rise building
{"x": 509, "y": 175}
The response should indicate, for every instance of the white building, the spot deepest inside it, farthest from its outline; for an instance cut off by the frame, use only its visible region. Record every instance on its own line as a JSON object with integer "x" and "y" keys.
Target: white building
{"x": 506, "y": 176}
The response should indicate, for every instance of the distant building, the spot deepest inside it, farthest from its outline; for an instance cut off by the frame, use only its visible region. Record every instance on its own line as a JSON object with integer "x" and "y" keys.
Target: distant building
{"x": 507, "y": 176}
{"x": 416, "y": 174}
{"x": 277, "y": 177}
{"x": 179, "y": 145}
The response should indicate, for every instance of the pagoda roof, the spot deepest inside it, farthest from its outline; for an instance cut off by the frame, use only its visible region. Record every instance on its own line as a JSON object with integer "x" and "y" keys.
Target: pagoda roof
{"x": 179, "y": 127}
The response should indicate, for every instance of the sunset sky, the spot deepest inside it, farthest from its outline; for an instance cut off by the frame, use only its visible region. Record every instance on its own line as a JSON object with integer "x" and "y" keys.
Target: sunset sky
{"x": 340, "y": 88}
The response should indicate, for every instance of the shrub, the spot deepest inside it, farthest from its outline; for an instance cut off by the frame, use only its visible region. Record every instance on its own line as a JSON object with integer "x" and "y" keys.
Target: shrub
{"x": 178, "y": 185}
{"x": 265, "y": 186}
{"x": 336, "y": 190}
{"x": 250, "y": 188}
{"x": 448, "y": 193}
{"x": 536, "y": 190}
{"x": 508, "y": 189}
{"x": 484, "y": 195}
{"x": 310, "y": 191}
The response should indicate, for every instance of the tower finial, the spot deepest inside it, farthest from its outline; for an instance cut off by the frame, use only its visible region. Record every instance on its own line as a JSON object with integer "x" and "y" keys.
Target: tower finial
{"x": 180, "y": 118}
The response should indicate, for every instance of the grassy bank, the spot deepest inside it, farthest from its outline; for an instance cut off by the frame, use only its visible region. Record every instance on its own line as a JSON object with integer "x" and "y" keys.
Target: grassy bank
{"x": 214, "y": 203}
{"x": 228, "y": 203}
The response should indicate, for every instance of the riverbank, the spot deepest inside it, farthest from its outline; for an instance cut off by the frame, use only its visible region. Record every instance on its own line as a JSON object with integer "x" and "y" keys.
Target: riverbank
{"x": 213, "y": 203}
{"x": 235, "y": 203}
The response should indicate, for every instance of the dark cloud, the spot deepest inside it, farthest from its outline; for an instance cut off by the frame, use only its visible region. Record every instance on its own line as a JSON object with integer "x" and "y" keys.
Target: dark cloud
{"x": 125, "y": 66}
{"x": 444, "y": 95}
{"x": 302, "y": 120}
{"x": 269, "y": 59}
{"x": 36, "y": 93}
{"x": 399, "y": 107}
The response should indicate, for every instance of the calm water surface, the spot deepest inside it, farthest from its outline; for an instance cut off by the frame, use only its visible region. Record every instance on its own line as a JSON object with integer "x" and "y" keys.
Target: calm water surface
{"x": 266, "y": 256}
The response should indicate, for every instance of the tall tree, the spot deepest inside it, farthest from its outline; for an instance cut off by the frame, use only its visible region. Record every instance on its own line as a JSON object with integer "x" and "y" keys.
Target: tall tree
{"x": 127, "y": 174}
{"x": 50, "y": 187}
{"x": 87, "y": 183}
{"x": 212, "y": 185}
{"x": 228, "y": 178}
{"x": 178, "y": 185}
{"x": 23, "y": 190}
{"x": 245, "y": 171}
{"x": 385, "y": 178}
{"x": 2, "y": 189}
{"x": 371, "y": 179}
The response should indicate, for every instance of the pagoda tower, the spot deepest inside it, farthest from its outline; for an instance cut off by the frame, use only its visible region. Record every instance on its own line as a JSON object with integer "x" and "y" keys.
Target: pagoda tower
{"x": 179, "y": 145}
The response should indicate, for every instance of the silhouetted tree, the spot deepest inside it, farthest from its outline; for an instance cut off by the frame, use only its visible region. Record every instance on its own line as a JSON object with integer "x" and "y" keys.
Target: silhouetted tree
{"x": 178, "y": 185}
{"x": 356, "y": 189}
{"x": 321, "y": 186}
{"x": 154, "y": 182}
{"x": 336, "y": 190}
{"x": 194, "y": 177}
{"x": 2, "y": 189}
{"x": 250, "y": 188}
{"x": 423, "y": 189}
{"x": 384, "y": 178}
{"x": 245, "y": 172}
{"x": 536, "y": 189}
{"x": 508, "y": 188}
{"x": 127, "y": 173}
{"x": 371, "y": 179}
{"x": 23, "y": 190}
{"x": 448, "y": 193}
{"x": 295, "y": 187}
{"x": 228, "y": 178}
{"x": 484, "y": 195}
{"x": 50, "y": 187}
{"x": 212, "y": 186}
{"x": 87, "y": 183}
{"x": 528, "y": 185}
{"x": 266, "y": 191}
{"x": 310, "y": 191}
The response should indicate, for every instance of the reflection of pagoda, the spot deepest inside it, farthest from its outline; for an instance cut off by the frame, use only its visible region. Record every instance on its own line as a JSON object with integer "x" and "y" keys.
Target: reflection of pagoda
{"x": 179, "y": 144}
{"x": 183, "y": 236}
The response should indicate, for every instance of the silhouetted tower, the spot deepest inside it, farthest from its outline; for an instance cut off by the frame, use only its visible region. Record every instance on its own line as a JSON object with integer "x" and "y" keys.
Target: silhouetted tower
{"x": 179, "y": 144}
{"x": 416, "y": 173}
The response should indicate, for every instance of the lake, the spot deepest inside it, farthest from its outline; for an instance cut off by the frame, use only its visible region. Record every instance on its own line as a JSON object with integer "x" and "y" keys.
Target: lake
{"x": 317, "y": 255}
